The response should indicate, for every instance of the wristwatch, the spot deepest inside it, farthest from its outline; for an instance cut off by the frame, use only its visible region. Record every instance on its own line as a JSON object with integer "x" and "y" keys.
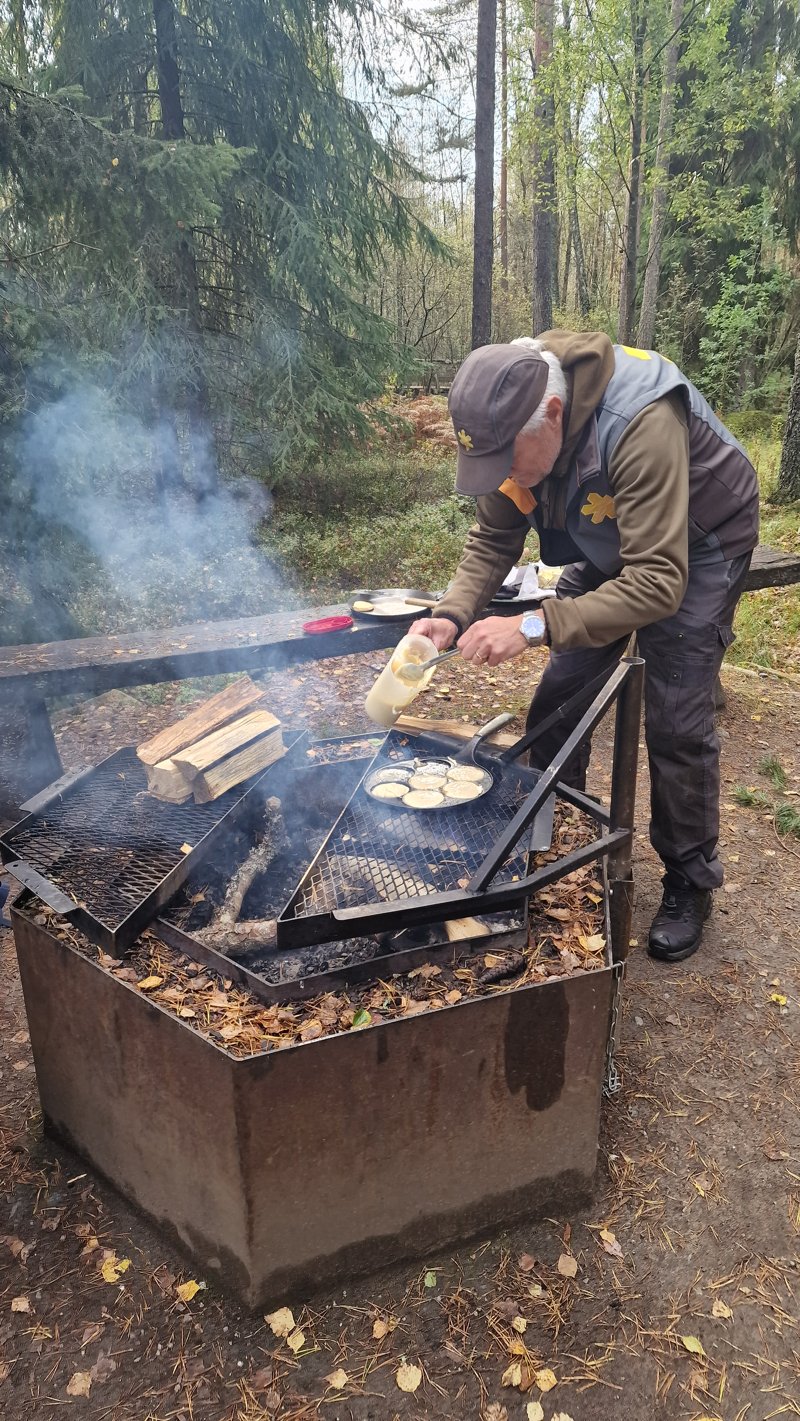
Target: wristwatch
{"x": 533, "y": 628}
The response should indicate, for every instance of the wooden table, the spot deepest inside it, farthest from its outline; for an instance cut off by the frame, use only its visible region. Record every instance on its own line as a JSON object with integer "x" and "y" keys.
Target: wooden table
{"x": 91, "y": 665}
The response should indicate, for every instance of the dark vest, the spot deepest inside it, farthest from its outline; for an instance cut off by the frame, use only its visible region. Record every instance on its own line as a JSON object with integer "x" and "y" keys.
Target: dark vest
{"x": 723, "y": 487}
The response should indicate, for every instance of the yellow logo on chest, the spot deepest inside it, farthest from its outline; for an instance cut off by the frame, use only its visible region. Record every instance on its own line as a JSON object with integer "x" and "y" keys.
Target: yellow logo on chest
{"x": 464, "y": 439}
{"x": 599, "y": 506}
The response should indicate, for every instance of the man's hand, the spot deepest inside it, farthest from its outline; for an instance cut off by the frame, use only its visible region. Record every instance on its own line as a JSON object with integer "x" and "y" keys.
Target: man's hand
{"x": 492, "y": 641}
{"x": 439, "y": 630}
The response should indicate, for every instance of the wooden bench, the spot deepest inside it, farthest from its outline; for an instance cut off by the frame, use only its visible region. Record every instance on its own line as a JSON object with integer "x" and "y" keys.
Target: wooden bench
{"x": 30, "y": 674}
{"x": 92, "y": 665}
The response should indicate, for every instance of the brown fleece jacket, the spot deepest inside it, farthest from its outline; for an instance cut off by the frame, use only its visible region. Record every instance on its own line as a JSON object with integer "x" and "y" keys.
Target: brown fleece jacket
{"x": 649, "y": 475}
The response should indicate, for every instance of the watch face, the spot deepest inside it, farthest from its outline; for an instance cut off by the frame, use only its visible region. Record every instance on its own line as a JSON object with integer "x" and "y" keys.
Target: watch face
{"x": 532, "y": 626}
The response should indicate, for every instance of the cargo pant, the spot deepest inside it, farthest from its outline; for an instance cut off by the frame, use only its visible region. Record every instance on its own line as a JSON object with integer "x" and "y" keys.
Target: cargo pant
{"x": 683, "y": 655}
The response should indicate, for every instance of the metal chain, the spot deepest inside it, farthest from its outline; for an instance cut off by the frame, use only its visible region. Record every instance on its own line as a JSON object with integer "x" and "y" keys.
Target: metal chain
{"x": 613, "y": 1081}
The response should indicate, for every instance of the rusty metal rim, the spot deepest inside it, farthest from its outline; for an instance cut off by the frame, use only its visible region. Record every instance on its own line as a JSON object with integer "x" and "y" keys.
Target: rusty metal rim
{"x": 24, "y": 897}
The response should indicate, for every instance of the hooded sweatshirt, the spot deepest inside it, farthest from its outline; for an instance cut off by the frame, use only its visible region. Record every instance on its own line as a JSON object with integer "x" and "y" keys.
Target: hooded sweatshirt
{"x": 649, "y": 476}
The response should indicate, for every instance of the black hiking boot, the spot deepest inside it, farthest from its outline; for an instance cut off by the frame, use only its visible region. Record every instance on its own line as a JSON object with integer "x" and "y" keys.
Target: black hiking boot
{"x": 677, "y": 927}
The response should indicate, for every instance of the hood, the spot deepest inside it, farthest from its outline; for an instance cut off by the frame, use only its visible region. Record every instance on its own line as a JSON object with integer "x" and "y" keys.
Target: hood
{"x": 588, "y": 364}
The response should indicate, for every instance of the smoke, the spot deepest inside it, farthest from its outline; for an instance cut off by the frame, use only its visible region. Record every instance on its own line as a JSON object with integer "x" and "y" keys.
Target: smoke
{"x": 128, "y": 521}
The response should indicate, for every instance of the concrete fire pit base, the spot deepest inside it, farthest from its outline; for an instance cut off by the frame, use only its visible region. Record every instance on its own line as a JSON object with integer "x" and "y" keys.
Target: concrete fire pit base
{"x": 289, "y": 1171}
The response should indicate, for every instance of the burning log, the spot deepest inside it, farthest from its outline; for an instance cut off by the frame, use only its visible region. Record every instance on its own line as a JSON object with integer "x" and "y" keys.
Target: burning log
{"x": 225, "y": 932}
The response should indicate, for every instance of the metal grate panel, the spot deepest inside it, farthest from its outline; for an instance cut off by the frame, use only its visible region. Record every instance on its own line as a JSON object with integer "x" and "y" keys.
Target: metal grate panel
{"x": 116, "y": 852}
{"x": 375, "y": 854}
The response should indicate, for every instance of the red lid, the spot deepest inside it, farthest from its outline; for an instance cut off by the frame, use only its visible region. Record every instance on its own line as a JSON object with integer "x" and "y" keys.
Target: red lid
{"x": 328, "y": 624}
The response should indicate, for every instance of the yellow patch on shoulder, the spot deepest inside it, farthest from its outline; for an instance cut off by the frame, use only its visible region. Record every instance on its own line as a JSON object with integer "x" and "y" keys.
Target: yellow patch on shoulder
{"x": 522, "y": 497}
{"x": 599, "y": 506}
{"x": 464, "y": 439}
{"x": 636, "y": 353}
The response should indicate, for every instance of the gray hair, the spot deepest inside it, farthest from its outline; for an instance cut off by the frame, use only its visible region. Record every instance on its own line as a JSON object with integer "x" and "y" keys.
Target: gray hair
{"x": 556, "y": 383}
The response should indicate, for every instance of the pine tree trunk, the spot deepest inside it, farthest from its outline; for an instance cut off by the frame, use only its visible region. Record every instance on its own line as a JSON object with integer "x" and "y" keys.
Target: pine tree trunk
{"x": 575, "y": 244}
{"x": 543, "y": 224}
{"x": 789, "y": 475}
{"x": 483, "y": 229}
{"x": 658, "y": 216}
{"x": 169, "y": 87}
{"x": 627, "y": 286}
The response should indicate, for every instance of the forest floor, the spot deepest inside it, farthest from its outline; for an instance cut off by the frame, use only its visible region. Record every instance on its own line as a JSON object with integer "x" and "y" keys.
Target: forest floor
{"x": 688, "y": 1306}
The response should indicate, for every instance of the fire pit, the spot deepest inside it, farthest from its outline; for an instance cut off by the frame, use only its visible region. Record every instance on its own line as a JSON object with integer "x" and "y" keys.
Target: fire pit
{"x": 294, "y": 1165}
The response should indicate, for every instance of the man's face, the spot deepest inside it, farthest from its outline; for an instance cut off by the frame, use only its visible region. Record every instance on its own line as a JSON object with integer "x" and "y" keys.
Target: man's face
{"x": 535, "y": 454}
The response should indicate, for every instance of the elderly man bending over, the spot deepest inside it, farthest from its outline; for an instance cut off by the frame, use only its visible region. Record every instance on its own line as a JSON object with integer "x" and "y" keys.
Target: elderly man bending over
{"x": 622, "y": 469}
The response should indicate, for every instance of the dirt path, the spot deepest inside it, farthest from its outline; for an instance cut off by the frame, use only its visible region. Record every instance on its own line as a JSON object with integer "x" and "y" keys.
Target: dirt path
{"x": 698, "y": 1190}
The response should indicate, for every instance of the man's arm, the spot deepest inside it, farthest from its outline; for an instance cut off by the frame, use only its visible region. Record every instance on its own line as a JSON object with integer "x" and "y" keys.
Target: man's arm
{"x": 649, "y": 476}
{"x": 494, "y": 544}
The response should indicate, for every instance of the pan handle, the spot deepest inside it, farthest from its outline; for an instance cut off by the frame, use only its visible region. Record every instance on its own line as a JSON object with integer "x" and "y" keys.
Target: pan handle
{"x": 494, "y": 724}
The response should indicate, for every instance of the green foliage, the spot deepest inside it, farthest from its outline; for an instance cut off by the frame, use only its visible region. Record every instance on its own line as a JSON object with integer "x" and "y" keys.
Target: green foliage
{"x": 785, "y": 817}
{"x": 732, "y": 352}
{"x": 416, "y": 547}
{"x": 772, "y": 769}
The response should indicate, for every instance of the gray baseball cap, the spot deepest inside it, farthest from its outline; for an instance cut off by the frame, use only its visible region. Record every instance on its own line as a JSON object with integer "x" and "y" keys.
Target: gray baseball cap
{"x": 493, "y": 395}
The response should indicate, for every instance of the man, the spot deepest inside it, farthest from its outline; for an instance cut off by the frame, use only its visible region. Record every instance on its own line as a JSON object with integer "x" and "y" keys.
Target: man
{"x": 618, "y": 463}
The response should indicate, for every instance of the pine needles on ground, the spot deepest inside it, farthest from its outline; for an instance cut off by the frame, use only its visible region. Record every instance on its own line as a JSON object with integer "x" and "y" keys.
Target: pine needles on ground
{"x": 785, "y": 817}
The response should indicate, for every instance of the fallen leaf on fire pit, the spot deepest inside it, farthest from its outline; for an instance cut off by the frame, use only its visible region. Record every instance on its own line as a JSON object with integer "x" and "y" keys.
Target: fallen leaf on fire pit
{"x": 427, "y": 970}
{"x": 534, "y": 1411}
{"x": 595, "y": 943}
{"x": 721, "y": 1309}
{"x": 185, "y": 1013}
{"x": 491, "y": 960}
{"x": 21, "y": 1304}
{"x": 408, "y": 1377}
{"x": 282, "y": 1322}
{"x": 413, "y": 1008}
{"x": 526, "y": 1263}
{"x": 545, "y": 1379}
{"x": 567, "y": 1265}
{"x": 187, "y": 1291}
{"x": 79, "y": 1384}
{"x": 90, "y": 1246}
{"x": 296, "y": 1339}
{"x": 430, "y": 1279}
{"x": 452, "y": 997}
{"x": 337, "y": 1379}
{"x": 512, "y": 1376}
{"x": 495, "y": 1412}
{"x": 693, "y": 1345}
{"x": 361, "y": 1018}
{"x": 519, "y": 1323}
{"x": 561, "y": 1416}
{"x": 778, "y": 998}
{"x": 148, "y": 984}
{"x": 383, "y": 1325}
{"x": 91, "y": 1334}
{"x": 113, "y": 1268}
{"x": 186, "y": 848}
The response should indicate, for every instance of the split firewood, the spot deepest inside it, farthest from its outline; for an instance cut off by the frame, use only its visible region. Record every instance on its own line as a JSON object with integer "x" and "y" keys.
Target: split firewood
{"x": 217, "y": 711}
{"x": 237, "y": 767}
{"x": 202, "y": 754}
{"x": 167, "y": 781}
{"x": 459, "y": 928}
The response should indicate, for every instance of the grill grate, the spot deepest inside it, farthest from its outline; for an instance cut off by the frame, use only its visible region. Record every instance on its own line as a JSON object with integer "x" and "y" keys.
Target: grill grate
{"x": 378, "y": 855}
{"x": 113, "y": 849}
